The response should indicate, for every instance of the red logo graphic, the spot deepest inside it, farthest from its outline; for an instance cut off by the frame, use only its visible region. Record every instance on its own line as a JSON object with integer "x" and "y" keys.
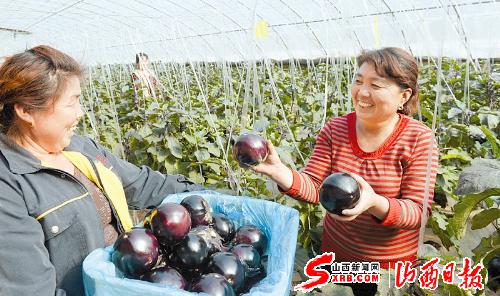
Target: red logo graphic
{"x": 448, "y": 272}
{"x": 429, "y": 274}
{"x": 319, "y": 277}
{"x": 471, "y": 277}
{"x": 404, "y": 273}
{"x": 322, "y": 270}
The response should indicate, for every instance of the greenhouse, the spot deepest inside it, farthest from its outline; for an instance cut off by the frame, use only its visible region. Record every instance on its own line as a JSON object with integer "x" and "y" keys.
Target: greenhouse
{"x": 324, "y": 147}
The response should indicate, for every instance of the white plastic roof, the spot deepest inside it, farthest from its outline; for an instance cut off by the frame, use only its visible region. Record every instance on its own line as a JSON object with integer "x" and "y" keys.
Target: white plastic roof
{"x": 112, "y": 31}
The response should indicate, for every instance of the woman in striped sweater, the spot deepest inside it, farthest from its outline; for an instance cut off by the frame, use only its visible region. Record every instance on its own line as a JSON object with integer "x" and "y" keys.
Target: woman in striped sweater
{"x": 393, "y": 157}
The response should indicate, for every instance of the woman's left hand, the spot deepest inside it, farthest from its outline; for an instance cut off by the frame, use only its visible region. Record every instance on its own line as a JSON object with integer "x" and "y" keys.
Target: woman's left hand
{"x": 367, "y": 200}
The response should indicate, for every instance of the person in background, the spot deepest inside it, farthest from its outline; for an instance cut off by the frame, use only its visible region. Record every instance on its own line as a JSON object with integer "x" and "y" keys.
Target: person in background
{"x": 390, "y": 155}
{"x": 61, "y": 195}
{"x": 144, "y": 81}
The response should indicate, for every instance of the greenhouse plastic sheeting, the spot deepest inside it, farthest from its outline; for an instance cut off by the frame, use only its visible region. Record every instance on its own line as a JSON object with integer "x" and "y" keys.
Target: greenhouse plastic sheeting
{"x": 107, "y": 32}
{"x": 280, "y": 224}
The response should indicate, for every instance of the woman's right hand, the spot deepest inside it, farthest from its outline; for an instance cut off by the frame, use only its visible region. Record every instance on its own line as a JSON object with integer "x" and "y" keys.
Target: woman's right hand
{"x": 274, "y": 168}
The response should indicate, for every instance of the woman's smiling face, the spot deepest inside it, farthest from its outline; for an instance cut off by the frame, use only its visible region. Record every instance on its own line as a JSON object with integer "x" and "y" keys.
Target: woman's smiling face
{"x": 376, "y": 98}
{"x": 54, "y": 126}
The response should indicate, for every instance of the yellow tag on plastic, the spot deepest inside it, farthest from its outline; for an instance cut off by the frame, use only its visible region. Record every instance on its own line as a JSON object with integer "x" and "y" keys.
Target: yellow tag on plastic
{"x": 261, "y": 29}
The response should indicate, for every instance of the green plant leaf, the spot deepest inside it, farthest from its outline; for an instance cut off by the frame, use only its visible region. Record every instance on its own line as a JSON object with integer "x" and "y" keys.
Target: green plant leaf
{"x": 303, "y": 219}
{"x": 440, "y": 220}
{"x": 457, "y": 154}
{"x": 485, "y": 217}
{"x": 476, "y": 132}
{"x": 196, "y": 177}
{"x": 493, "y": 120}
{"x": 212, "y": 181}
{"x": 151, "y": 150}
{"x": 213, "y": 149}
{"x": 462, "y": 210}
{"x": 427, "y": 114}
{"x": 453, "y": 112}
{"x": 454, "y": 290}
{"x": 459, "y": 104}
{"x": 215, "y": 167}
{"x": 443, "y": 235}
{"x": 174, "y": 146}
{"x": 492, "y": 140}
{"x": 202, "y": 155}
{"x": 171, "y": 166}
{"x": 161, "y": 155}
{"x": 460, "y": 127}
{"x": 145, "y": 131}
{"x": 261, "y": 125}
{"x": 191, "y": 139}
{"x": 487, "y": 247}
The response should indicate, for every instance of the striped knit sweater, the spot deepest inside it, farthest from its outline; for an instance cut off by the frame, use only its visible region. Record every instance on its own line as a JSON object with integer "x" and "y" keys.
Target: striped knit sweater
{"x": 397, "y": 170}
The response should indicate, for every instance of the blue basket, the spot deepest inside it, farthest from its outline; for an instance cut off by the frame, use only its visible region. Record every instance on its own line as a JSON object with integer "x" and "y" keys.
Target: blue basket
{"x": 280, "y": 224}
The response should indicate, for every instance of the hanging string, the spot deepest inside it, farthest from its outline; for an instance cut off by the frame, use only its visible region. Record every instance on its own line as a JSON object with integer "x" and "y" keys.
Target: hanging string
{"x": 425, "y": 206}
{"x": 275, "y": 96}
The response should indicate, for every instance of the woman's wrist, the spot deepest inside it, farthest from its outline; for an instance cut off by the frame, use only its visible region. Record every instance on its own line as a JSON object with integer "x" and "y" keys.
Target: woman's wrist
{"x": 282, "y": 175}
{"x": 380, "y": 207}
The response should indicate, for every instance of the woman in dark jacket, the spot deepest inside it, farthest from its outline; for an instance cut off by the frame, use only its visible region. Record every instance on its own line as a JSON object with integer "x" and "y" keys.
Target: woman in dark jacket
{"x": 61, "y": 195}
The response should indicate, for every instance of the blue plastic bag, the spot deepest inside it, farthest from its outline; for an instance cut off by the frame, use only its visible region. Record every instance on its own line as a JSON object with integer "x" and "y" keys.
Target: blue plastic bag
{"x": 280, "y": 224}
